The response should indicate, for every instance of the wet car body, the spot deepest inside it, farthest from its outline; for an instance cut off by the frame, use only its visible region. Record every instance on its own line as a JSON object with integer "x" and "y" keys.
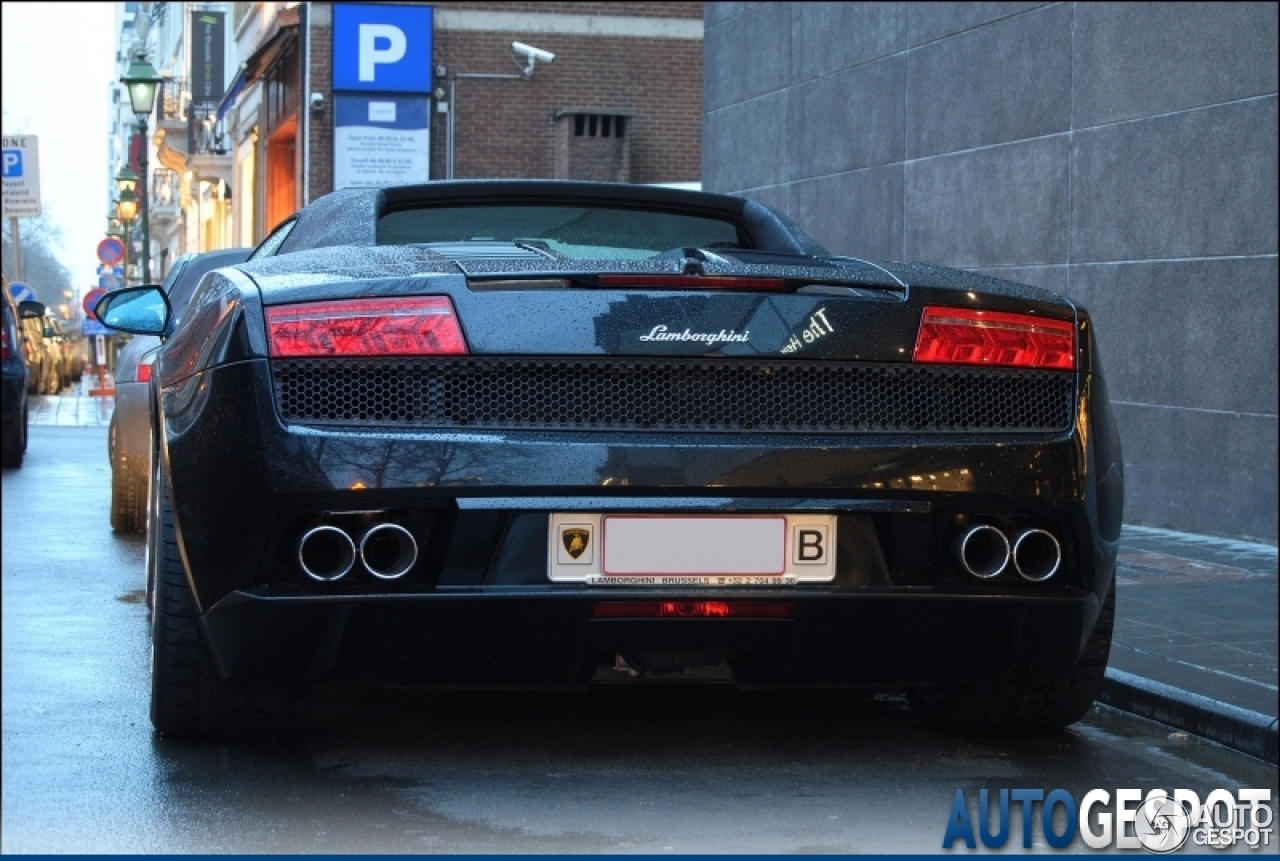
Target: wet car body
{"x": 597, "y": 396}
{"x": 14, "y": 373}
{"x": 129, "y": 435}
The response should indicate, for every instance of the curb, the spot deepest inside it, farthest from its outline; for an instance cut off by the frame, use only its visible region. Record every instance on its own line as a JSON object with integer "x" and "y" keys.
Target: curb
{"x": 1246, "y": 731}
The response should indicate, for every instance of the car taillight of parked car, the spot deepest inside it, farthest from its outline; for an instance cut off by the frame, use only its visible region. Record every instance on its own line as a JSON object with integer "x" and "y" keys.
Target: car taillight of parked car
{"x": 410, "y": 326}
{"x": 963, "y": 336}
{"x": 144, "y": 371}
{"x": 6, "y": 350}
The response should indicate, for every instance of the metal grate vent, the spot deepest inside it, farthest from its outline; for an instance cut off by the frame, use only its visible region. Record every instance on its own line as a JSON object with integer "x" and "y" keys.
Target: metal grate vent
{"x": 671, "y": 395}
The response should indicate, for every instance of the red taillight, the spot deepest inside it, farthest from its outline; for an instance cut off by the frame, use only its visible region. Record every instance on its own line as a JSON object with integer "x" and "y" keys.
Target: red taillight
{"x": 411, "y": 326}
{"x": 144, "y": 372}
{"x": 696, "y": 282}
{"x": 692, "y": 610}
{"x": 5, "y": 349}
{"x": 961, "y": 336}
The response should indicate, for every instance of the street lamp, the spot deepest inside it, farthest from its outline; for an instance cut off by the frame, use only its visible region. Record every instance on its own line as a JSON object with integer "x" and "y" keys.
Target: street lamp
{"x": 143, "y": 83}
{"x": 126, "y": 178}
{"x": 127, "y": 205}
{"x": 126, "y": 212}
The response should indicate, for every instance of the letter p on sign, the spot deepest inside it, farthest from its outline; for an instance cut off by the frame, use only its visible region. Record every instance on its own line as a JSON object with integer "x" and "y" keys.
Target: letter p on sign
{"x": 379, "y": 44}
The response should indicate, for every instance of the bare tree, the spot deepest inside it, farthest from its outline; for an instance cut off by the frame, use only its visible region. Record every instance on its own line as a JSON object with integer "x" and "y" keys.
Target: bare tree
{"x": 40, "y": 265}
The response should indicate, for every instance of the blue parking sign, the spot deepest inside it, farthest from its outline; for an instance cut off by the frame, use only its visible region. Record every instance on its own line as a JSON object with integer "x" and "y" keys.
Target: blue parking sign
{"x": 383, "y": 49}
{"x": 12, "y": 162}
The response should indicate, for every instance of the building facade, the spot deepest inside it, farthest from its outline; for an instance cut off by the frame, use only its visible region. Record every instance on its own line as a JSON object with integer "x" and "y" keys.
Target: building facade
{"x": 620, "y": 101}
{"x": 188, "y": 164}
{"x": 1122, "y": 154}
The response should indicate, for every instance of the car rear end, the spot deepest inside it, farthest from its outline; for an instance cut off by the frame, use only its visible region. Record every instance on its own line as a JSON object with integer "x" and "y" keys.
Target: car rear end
{"x": 766, "y": 483}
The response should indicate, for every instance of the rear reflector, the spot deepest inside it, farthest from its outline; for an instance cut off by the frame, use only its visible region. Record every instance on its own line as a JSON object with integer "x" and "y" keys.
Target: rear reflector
{"x": 692, "y": 610}
{"x": 961, "y": 336}
{"x": 410, "y": 326}
{"x": 144, "y": 372}
{"x": 695, "y": 282}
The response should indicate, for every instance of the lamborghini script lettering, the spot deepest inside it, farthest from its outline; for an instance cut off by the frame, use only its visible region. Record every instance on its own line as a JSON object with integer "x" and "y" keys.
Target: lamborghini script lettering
{"x": 660, "y": 333}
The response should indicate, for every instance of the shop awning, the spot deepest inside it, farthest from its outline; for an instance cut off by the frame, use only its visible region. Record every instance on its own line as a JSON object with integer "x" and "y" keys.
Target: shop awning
{"x": 284, "y": 33}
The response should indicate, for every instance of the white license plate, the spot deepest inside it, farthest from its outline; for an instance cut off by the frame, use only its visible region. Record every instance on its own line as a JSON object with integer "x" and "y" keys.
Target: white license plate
{"x": 691, "y": 550}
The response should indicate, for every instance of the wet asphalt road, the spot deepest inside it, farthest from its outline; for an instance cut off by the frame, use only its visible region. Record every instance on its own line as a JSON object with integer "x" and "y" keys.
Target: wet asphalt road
{"x": 650, "y": 770}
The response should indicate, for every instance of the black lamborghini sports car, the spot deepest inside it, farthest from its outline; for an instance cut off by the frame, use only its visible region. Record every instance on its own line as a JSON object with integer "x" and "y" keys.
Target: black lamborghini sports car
{"x": 543, "y": 433}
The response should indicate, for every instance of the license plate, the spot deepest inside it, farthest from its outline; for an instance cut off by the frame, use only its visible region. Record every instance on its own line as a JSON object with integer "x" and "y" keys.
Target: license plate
{"x": 691, "y": 550}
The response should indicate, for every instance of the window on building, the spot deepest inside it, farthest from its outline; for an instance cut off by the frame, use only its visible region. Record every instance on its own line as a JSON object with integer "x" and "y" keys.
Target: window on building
{"x": 599, "y": 125}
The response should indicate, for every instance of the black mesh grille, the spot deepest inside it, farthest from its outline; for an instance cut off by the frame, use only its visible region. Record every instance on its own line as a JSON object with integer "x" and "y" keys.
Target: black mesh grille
{"x": 671, "y": 395}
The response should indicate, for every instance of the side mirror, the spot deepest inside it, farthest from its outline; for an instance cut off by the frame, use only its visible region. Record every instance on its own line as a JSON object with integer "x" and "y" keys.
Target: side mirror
{"x": 139, "y": 310}
{"x": 30, "y": 309}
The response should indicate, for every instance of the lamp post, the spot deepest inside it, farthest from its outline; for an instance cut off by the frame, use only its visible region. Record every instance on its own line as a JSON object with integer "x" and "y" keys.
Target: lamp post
{"x": 126, "y": 211}
{"x": 143, "y": 83}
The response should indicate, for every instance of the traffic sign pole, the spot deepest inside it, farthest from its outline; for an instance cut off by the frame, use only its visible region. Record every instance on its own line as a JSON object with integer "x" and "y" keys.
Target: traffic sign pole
{"x": 17, "y": 247}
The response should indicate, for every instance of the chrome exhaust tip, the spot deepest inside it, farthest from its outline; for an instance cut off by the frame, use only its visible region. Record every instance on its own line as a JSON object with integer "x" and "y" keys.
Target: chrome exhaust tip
{"x": 983, "y": 551}
{"x": 388, "y": 551}
{"x": 326, "y": 553}
{"x": 1036, "y": 555}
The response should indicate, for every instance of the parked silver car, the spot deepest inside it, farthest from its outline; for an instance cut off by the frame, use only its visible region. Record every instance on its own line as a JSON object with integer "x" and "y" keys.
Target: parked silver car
{"x": 130, "y": 432}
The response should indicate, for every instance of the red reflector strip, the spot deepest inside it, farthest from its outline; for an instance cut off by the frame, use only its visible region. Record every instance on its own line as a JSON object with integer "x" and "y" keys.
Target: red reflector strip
{"x": 412, "y": 326}
{"x": 692, "y": 610}
{"x": 962, "y": 336}
{"x": 697, "y": 282}
{"x": 144, "y": 372}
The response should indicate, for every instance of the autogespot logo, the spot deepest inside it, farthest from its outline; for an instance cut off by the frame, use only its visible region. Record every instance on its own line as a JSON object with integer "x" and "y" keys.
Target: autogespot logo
{"x": 1160, "y": 822}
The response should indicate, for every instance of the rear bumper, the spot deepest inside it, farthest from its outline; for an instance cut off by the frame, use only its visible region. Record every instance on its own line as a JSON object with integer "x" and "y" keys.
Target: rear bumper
{"x": 478, "y": 609}
{"x": 539, "y": 639}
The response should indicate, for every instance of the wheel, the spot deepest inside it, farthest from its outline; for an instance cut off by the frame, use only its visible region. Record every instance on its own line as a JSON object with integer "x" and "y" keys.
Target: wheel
{"x": 187, "y": 696}
{"x": 128, "y": 493}
{"x": 1044, "y": 701}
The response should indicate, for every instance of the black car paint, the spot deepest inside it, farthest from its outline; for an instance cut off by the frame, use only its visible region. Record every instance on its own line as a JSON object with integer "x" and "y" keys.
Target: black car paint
{"x": 15, "y": 373}
{"x": 480, "y": 608}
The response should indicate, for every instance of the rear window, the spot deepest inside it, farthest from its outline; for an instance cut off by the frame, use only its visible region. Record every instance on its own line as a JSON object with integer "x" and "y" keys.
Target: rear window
{"x": 578, "y": 232}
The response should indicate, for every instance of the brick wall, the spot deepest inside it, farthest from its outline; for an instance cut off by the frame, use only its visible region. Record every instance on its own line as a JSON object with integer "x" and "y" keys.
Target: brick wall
{"x": 319, "y": 129}
{"x": 506, "y": 128}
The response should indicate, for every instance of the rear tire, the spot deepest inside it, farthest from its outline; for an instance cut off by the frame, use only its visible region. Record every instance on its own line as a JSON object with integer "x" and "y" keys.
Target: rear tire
{"x": 128, "y": 494}
{"x": 1038, "y": 702}
{"x": 188, "y": 698}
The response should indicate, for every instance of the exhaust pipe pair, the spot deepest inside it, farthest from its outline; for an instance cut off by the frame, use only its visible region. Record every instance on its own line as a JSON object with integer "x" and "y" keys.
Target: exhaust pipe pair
{"x": 984, "y": 552}
{"x": 327, "y": 553}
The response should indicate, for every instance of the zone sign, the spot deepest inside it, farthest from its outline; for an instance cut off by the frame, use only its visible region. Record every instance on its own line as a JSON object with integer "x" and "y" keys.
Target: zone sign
{"x": 21, "y": 173}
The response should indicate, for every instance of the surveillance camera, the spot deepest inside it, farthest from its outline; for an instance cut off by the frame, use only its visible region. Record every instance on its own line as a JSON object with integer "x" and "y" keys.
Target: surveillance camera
{"x": 317, "y": 101}
{"x": 532, "y": 53}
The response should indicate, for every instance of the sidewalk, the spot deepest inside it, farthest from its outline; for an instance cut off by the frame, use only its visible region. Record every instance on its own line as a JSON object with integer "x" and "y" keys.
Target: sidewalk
{"x": 74, "y": 407}
{"x": 1195, "y": 637}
